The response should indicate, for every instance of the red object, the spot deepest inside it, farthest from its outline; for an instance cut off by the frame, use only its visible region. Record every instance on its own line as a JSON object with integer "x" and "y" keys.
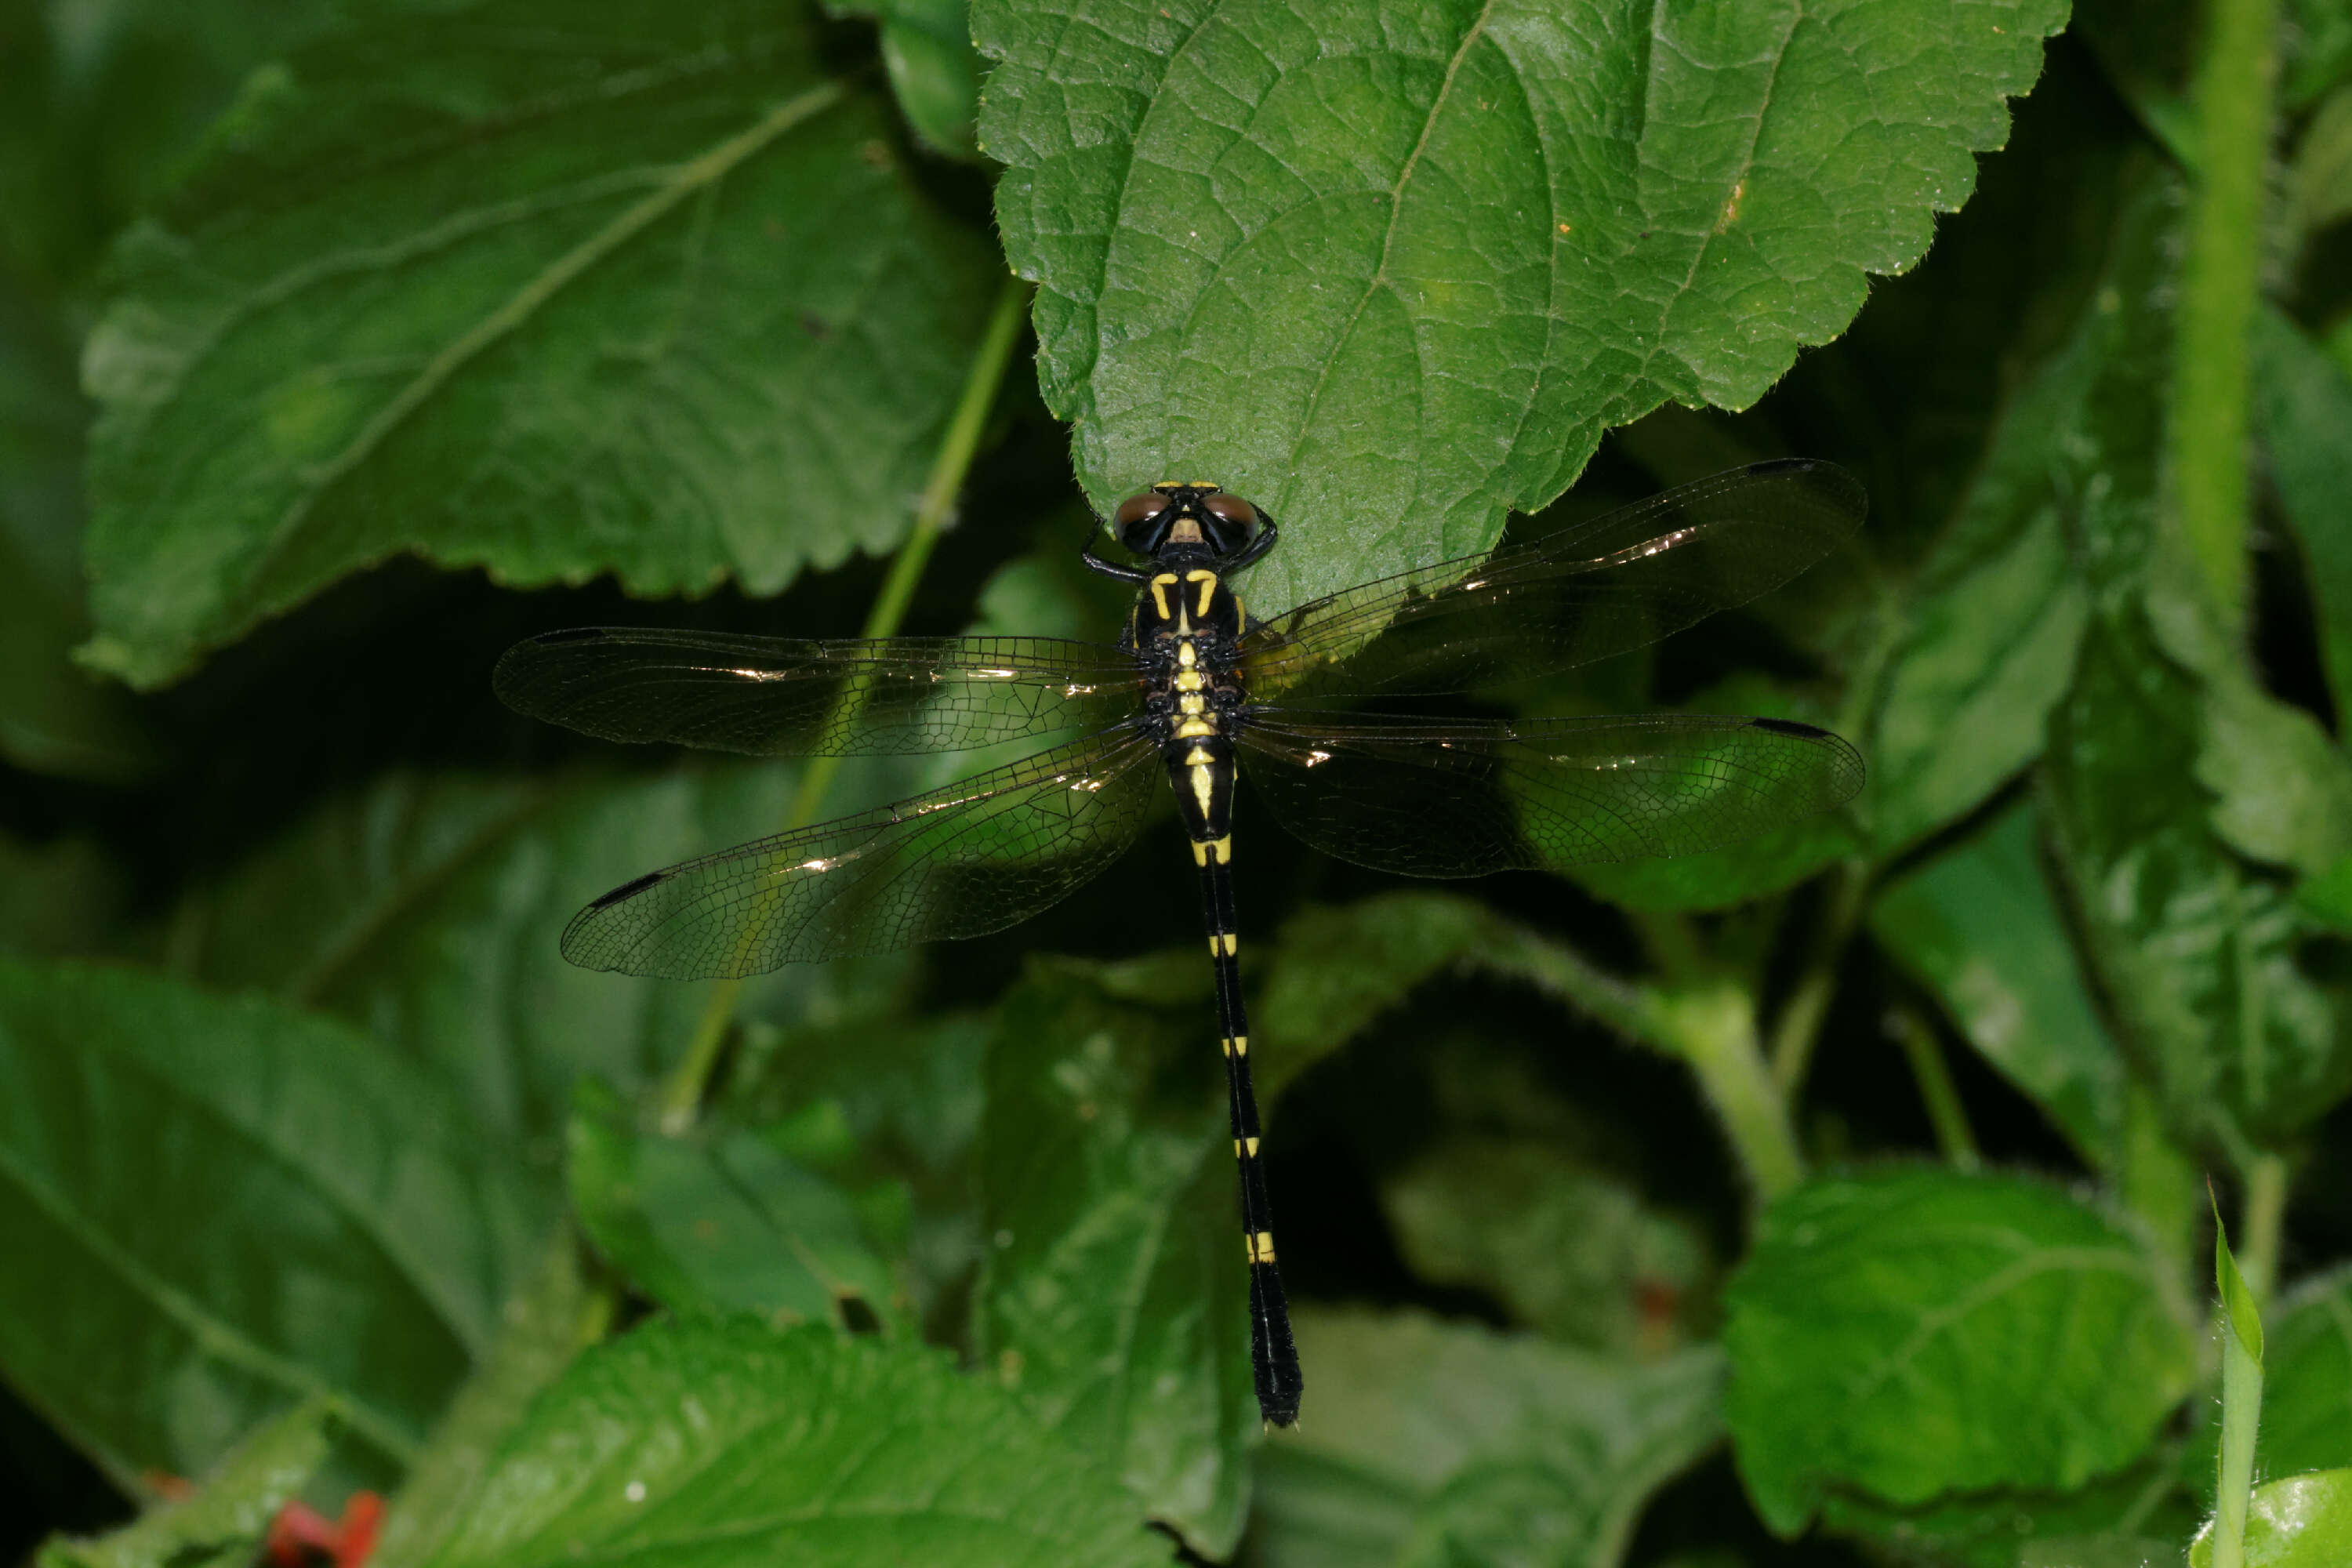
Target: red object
{"x": 300, "y": 1536}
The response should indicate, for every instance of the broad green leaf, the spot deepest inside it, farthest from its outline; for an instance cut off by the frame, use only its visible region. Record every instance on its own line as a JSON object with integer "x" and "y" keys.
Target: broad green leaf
{"x": 224, "y": 1521}
{"x": 1568, "y": 1250}
{"x": 1435, "y": 1443}
{"x": 545, "y": 1325}
{"x": 2320, "y": 187}
{"x": 2197, "y": 951}
{"x": 1114, "y": 1302}
{"x": 721, "y": 1220}
{"x": 926, "y": 48}
{"x": 427, "y": 908}
{"x": 1995, "y": 619}
{"x": 1980, "y": 928}
{"x": 219, "y": 1206}
{"x": 716, "y": 1444}
{"x": 1390, "y": 273}
{"x": 2104, "y": 1524}
{"x": 54, "y": 719}
{"x": 1910, "y": 1332}
{"x": 2303, "y": 399}
{"x": 2320, "y": 50}
{"x": 555, "y": 290}
{"x": 2298, "y": 1521}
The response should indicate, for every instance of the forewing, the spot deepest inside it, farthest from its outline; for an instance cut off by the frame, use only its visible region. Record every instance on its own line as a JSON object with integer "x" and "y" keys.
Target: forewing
{"x": 795, "y": 697}
{"x": 974, "y": 857}
{"x": 1601, "y": 588}
{"x": 1461, "y": 798}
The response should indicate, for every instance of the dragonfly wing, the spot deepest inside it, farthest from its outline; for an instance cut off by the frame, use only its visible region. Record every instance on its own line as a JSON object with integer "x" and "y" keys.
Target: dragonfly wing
{"x": 1617, "y": 582}
{"x": 795, "y": 697}
{"x": 1461, "y": 798}
{"x": 968, "y": 859}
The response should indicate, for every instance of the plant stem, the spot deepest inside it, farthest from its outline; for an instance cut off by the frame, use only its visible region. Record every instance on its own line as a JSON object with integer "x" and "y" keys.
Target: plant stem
{"x": 1713, "y": 1027}
{"x": 2260, "y": 1223}
{"x": 2219, "y": 291}
{"x": 682, "y": 1095}
{"x": 1799, "y": 1026}
{"x": 1936, "y": 1090}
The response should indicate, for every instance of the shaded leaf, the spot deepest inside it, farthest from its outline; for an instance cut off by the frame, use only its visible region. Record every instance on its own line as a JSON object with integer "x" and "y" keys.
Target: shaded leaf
{"x": 224, "y": 1521}
{"x": 1115, "y": 1298}
{"x": 1909, "y": 1332}
{"x": 220, "y": 1207}
{"x": 1391, "y": 275}
{"x": 2102, "y": 1525}
{"x": 2302, "y": 402}
{"x": 716, "y": 1444}
{"x": 60, "y": 900}
{"x": 1436, "y": 1443}
{"x": 934, "y": 71}
{"x": 2298, "y": 1521}
{"x": 720, "y": 1220}
{"x": 548, "y": 289}
{"x": 1995, "y": 620}
{"x": 1569, "y": 1251}
{"x": 1980, "y": 928}
{"x": 426, "y": 907}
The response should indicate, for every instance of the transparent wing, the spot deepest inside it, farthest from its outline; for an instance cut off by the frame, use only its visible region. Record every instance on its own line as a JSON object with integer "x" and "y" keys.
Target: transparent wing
{"x": 795, "y": 697}
{"x": 1463, "y": 797}
{"x": 965, "y": 859}
{"x": 1617, "y": 582}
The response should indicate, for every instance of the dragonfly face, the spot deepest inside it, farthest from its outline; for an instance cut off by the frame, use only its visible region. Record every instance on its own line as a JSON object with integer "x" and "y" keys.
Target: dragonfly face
{"x": 1195, "y": 685}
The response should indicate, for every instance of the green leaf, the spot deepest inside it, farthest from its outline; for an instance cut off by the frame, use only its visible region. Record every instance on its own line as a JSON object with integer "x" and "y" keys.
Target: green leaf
{"x": 717, "y": 1444}
{"x": 1980, "y": 928}
{"x": 547, "y": 289}
{"x": 545, "y": 1325}
{"x": 721, "y": 1221}
{"x": 2102, "y": 1525}
{"x": 1438, "y": 1443}
{"x": 1115, "y": 1299}
{"x": 223, "y": 1522}
{"x": 1995, "y": 619}
{"x": 2300, "y": 1522}
{"x": 1568, "y": 1250}
{"x": 2238, "y": 1309}
{"x": 1909, "y": 1332}
{"x": 216, "y": 1208}
{"x": 426, "y": 907}
{"x": 1392, "y": 275}
{"x": 926, "y": 48}
{"x": 2302, "y": 402}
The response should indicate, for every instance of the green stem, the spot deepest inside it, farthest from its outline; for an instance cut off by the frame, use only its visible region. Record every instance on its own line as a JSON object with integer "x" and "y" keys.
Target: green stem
{"x": 2260, "y": 1223}
{"x": 682, "y": 1096}
{"x": 1799, "y": 1026}
{"x": 1714, "y": 1029}
{"x": 2220, "y": 292}
{"x": 1936, "y": 1090}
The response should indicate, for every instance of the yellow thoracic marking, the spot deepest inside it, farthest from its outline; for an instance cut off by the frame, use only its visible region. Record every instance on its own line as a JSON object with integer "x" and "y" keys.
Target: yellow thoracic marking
{"x": 1240, "y": 622}
{"x": 1261, "y": 1247}
{"x": 1245, "y": 1148}
{"x": 1208, "y": 581}
{"x": 1186, "y": 657}
{"x": 1159, "y": 586}
{"x": 1189, "y": 680}
{"x": 1237, "y": 1045}
{"x": 1194, "y": 729}
{"x": 1197, "y": 756}
{"x": 1222, "y": 848}
{"x": 1192, "y": 702}
{"x": 1204, "y": 785}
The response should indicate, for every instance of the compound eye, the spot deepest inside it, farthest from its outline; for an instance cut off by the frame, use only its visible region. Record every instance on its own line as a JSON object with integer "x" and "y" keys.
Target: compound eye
{"x": 1138, "y": 508}
{"x": 1231, "y": 508}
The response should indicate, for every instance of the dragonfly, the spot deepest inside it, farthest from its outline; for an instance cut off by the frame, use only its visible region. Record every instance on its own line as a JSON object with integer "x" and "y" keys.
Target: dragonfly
{"x": 1193, "y": 686}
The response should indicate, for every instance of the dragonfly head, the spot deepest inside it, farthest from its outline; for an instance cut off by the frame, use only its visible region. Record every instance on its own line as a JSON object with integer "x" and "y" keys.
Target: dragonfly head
{"x": 1195, "y": 520}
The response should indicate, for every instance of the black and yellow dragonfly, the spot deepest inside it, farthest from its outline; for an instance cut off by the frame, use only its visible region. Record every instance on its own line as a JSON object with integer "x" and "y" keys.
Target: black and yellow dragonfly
{"x": 1194, "y": 684}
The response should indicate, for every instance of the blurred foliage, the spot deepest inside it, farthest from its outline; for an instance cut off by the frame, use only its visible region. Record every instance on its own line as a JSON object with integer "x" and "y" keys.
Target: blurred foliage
{"x": 344, "y": 342}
